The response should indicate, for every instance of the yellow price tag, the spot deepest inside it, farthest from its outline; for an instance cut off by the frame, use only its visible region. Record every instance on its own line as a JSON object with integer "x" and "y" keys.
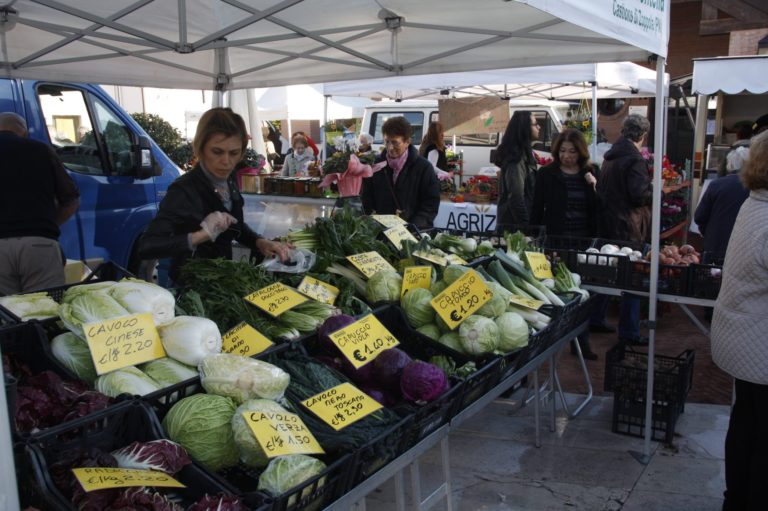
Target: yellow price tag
{"x": 363, "y": 340}
{"x": 389, "y": 220}
{"x": 526, "y": 302}
{"x": 121, "y": 342}
{"x": 244, "y": 340}
{"x": 276, "y": 298}
{"x": 415, "y": 277}
{"x": 281, "y": 433}
{"x": 318, "y": 290}
{"x": 461, "y": 299}
{"x": 341, "y": 405}
{"x": 432, "y": 258}
{"x": 455, "y": 259}
{"x": 370, "y": 263}
{"x": 539, "y": 265}
{"x": 104, "y": 478}
{"x": 398, "y": 234}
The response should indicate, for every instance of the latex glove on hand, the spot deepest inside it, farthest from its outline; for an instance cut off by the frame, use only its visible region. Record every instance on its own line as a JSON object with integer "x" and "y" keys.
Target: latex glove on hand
{"x": 216, "y": 223}
{"x": 443, "y": 175}
{"x": 274, "y": 249}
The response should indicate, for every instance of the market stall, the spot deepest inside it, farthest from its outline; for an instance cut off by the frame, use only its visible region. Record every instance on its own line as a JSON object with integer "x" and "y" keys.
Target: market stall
{"x": 240, "y": 46}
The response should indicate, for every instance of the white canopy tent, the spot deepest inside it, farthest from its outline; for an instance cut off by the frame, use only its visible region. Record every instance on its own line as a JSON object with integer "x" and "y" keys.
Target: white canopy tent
{"x": 305, "y": 102}
{"x": 731, "y": 75}
{"x": 231, "y": 44}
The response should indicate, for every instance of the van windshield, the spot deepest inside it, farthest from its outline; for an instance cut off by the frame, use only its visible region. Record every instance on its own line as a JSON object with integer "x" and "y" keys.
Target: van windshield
{"x": 415, "y": 118}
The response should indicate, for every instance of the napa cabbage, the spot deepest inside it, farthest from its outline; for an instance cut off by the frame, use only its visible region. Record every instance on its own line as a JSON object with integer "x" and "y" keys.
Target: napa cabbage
{"x": 189, "y": 339}
{"x": 242, "y": 378}
{"x": 138, "y": 296}
{"x": 74, "y": 353}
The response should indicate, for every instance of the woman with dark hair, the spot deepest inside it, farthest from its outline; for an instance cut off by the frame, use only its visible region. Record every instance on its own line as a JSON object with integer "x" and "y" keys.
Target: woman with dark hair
{"x": 739, "y": 340}
{"x": 518, "y": 171}
{"x": 407, "y": 186}
{"x": 202, "y": 213}
{"x": 433, "y": 149}
{"x": 565, "y": 202}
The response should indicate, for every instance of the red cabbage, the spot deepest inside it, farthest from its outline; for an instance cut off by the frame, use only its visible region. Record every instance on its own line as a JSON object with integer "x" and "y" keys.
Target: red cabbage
{"x": 220, "y": 502}
{"x": 422, "y": 382}
{"x": 141, "y": 499}
{"x": 361, "y": 375}
{"x": 388, "y": 367}
{"x": 384, "y": 398}
{"x": 162, "y": 455}
{"x": 329, "y": 326}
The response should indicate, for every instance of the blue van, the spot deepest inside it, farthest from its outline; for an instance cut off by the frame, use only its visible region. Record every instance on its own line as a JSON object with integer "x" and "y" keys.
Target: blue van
{"x": 122, "y": 174}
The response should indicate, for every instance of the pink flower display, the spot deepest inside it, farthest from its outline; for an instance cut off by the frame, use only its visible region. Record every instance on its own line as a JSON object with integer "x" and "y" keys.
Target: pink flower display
{"x": 351, "y": 180}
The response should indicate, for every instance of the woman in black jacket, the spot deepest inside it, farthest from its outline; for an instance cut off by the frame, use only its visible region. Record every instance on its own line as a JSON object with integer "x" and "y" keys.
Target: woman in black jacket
{"x": 566, "y": 203}
{"x": 407, "y": 186}
{"x": 202, "y": 212}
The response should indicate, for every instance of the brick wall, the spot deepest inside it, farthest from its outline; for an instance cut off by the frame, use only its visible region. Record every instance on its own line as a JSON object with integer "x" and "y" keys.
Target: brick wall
{"x": 685, "y": 43}
{"x": 744, "y": 42}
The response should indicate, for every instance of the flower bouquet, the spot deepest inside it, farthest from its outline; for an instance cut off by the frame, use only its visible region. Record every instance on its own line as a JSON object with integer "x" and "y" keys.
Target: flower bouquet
{"x": 670, "y": 173}
{"x": 481, "y": 189}
{"x": 346, "y": 168}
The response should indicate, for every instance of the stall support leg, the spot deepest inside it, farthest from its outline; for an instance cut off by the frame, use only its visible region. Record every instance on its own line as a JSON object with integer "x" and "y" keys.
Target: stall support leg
{"x": 694, "y": 319}
{"x": 536, "y": 398}
{"x": 590, "y": 390}
{"x": 399, "y": 491}
{"x": 553, "y": 405}
{"x": 443, "y": 491}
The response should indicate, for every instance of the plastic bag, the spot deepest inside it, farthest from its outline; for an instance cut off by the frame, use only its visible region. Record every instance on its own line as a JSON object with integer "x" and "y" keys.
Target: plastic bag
{"x": 300, "y": 261}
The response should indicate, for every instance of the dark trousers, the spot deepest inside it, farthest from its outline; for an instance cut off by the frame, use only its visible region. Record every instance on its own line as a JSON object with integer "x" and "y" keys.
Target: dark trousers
{"x": 746, "y": 449}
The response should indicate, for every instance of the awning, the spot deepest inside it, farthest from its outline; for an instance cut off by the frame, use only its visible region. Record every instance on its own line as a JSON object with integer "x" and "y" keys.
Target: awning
{"x": 731, "y": 75}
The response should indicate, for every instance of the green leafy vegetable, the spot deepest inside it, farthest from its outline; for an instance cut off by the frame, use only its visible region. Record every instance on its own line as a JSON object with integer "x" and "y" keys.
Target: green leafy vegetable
{"x": 286, "y": 472}
{"x": 74, "y": 353}
{"x": 384, "y": 286}
{"x": 242, "y": 378}
{"x": 31, "y": 306}
{"x": 251, "y": 452}
{"x": 189, "y": 339}
{"x": 167, "y": 371}
{"x": 128, "y": 380}
{"x": 513, "y": 331}
{"x": 478, "y": 335}
{"x": 417, "y": 307}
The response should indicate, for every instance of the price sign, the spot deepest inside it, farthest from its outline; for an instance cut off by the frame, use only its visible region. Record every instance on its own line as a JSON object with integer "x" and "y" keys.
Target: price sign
{"x": 455, "y": 259}
{"x": 244, "y": 340}
{"x": 341, "y": 405}
{"x": 370, "y": 263}
{"x": 432, "y": 258}
{"x": 318, "y": 290}
{"x": 398, "y": 234}
{"x": 539, "y": 265}
{"x": 121, "y": 342}
{"x": 281, "y": 433}
{"x": 415, "y": 277}
{"x": 461, "y": 299}
{"x": 104, "y": 478}
{"x": 526, "y": 302}
{"x": 388, "y": 220}
{"x": 363, "y": 340}
{"x": 276, "y": 298}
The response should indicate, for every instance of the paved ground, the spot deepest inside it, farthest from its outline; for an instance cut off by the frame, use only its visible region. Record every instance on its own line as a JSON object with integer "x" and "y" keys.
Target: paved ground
{"x": 582, "y": 465}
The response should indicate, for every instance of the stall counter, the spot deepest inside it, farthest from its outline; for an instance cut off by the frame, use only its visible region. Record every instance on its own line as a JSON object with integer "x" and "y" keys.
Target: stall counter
{"x": 275, "y": 215}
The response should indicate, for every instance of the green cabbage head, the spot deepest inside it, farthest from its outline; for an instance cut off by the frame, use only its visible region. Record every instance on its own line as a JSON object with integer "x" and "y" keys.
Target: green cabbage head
{"x": 285, "y": 472}
{"x": 242, "y": 378}
{"x": 384, "y": 286}
{"x": 417, "y": 308}
{"x": 478, "y": 335}
{"x": 513, "y": 331}
{"x": 202, "y": 424}
{"x": 498, "y": 302}
{"x": 431, "y": 330}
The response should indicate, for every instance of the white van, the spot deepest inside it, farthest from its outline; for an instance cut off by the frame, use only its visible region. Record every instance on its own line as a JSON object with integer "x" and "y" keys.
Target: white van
{"x": 476, "y": 147}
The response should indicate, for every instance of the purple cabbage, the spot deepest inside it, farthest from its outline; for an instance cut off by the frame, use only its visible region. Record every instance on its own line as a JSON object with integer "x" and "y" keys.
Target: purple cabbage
{"x": 388, "y": 368}
{"x": 422, "y": 382}
{"x": 329, "y": 326}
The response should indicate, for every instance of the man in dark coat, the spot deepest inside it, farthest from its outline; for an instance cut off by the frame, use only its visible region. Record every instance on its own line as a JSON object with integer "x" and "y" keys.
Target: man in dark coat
{"x": 625, "y": 194}
{"x": 408, "y": 185}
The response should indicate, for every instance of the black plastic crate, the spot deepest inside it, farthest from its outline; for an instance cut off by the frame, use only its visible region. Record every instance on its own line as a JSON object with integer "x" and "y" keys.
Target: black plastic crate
{"x": 673, "y": 279}
{"x": 628, "y": 416}
{"x": 705, "y": 281}
{"x": 313, "y": 493}
{"x": 103, "y": 272}
{"x": 27, "y": 343}
{"x": 607, "y": 270}
{"x": 109, "y": 430}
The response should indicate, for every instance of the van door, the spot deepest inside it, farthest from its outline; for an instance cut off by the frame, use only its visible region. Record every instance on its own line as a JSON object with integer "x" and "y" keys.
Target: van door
{"x": 549, "y": 129}
{"x": 95, "y": 144}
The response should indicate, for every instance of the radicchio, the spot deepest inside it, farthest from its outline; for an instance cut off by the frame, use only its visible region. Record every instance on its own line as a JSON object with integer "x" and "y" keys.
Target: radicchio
{"x": 141, "y": 499}
{"x": 162, "y": 455}
{"x": 221, "y": 502}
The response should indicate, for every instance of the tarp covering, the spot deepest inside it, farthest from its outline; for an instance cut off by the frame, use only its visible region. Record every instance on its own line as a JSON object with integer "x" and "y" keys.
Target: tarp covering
{"x": 226, "y": 44}
{"x": 731, "y": 75}
{"x": 569, "y": 81}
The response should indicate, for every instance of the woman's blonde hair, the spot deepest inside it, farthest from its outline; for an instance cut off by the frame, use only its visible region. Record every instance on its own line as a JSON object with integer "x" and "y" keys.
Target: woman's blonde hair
{"x": 754, "y": 175}
{"x": 219, "y": 121}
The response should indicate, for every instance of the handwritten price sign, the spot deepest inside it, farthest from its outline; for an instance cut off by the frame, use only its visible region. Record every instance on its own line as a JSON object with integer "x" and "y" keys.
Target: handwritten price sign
{"x": 276, "y": 298}
{"x": 122, "y": 342}
{"x": 432, "y": 258}
{"x": 388, "y": 220}
{"x": 370, "y": 263}
{"x": 341, "y": 405}
{"x": 363, "y": 340}
{"x": 455, "y": 259}
{"x": 244, "y": 340}
{"x": 539, "y": 265}
{"x": 398, "y": 234}
{"x": 281, "y": 433}
{"x": 98, "y": 478}
{"x": 415, "y": 277}
{"x": 318, "y": 290}
{"x": 461, "y": 299}
{"x": 526, "y": 302}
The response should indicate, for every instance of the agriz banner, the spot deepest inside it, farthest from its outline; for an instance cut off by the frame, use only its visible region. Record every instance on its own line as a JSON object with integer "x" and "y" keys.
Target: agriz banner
{"x": 641, "y": 23}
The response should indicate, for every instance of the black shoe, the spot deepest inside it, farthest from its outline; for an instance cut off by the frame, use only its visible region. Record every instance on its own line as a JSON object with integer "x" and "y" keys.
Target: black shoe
{"x": 636, "y": 341}
{"x": 602, "y": 328}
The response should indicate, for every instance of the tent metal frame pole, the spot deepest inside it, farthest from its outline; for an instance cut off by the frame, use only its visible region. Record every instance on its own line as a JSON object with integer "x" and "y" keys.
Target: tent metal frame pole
{"x": 593, "y": 147}
{"x": 326, "y": 97}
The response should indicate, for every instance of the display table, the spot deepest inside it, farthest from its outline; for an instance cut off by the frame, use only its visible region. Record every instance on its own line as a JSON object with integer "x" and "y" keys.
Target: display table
{"x": 274, "y": 215}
